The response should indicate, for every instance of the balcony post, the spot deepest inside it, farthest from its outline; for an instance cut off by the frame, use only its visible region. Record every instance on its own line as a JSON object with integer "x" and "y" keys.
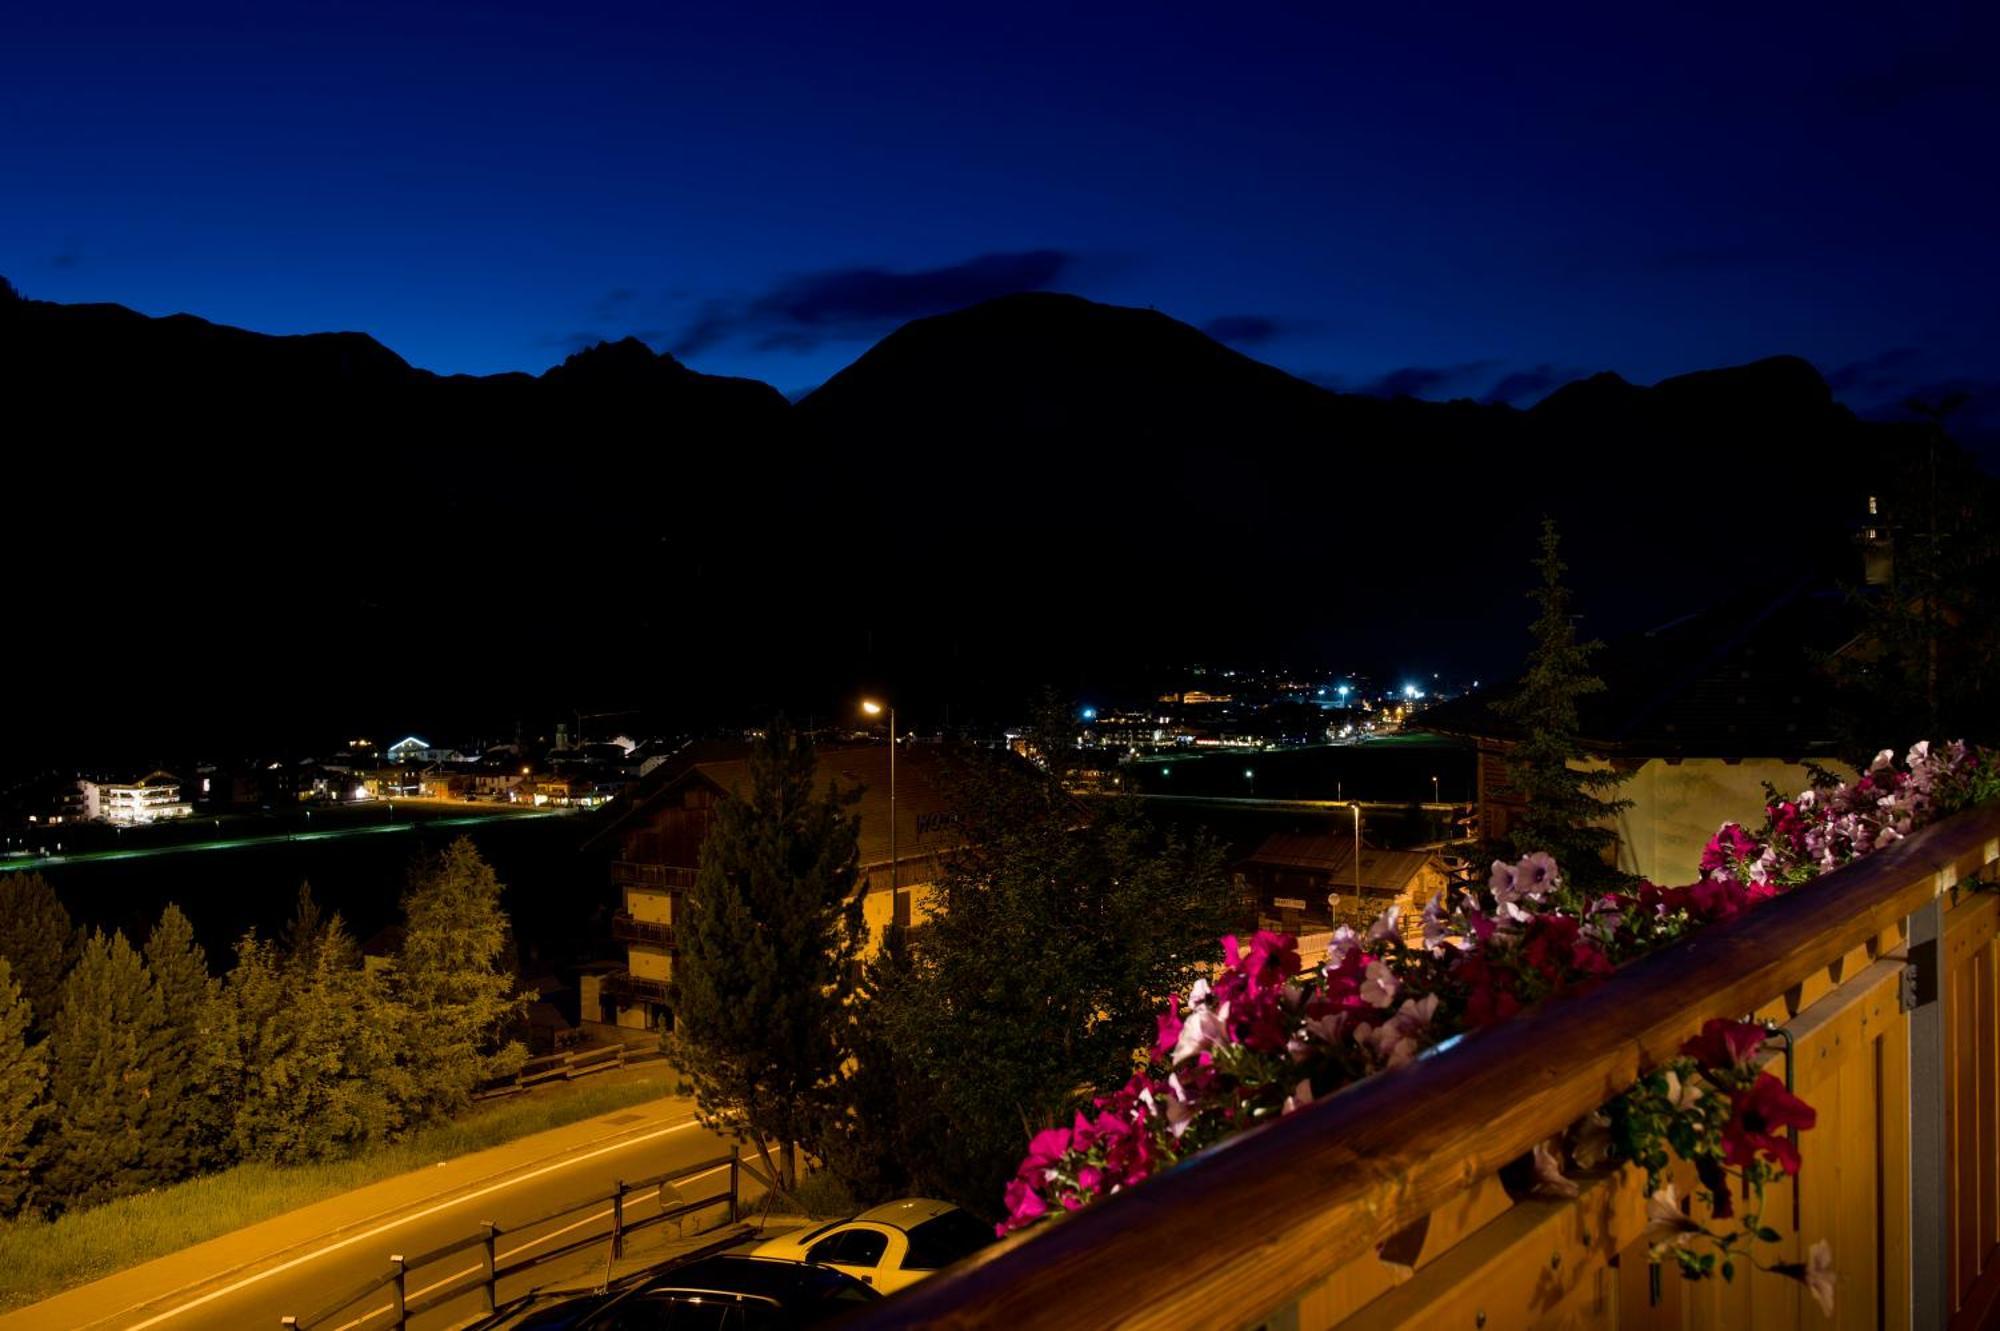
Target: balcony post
{"x": 1930, "y": 1184}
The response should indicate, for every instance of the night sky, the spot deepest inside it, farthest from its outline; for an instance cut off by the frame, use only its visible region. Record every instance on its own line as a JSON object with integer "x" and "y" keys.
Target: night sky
{"x": 1474, "y": 200}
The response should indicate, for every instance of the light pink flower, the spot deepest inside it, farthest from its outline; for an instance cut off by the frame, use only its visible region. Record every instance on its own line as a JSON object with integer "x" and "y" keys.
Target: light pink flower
{"x": 1379, "y": 989}
{"x": 1666, "y": 1226}
{"x": 1819, "y": 1275}
{"x": 1204, "y": 1026}
{"x": 1550, "y": 1181}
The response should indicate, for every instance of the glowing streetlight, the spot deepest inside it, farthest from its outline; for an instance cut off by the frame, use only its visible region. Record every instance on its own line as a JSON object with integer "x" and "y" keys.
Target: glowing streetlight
{"x": 873, "y": 708}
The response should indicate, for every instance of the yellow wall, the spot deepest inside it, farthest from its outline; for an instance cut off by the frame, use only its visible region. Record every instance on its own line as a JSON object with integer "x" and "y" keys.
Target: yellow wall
{"x": 1677, "y": 807}
{"x": 648, "y": 963}
{"x": 645, "y": 904}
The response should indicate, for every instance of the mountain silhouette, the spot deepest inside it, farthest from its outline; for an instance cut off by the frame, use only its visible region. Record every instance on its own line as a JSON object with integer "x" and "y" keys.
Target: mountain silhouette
{"x": 1036, "y": 488}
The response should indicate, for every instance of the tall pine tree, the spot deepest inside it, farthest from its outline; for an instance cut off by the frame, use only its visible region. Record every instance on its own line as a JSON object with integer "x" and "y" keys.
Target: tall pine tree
{"x": 37, "y": 938}
{"x": 24, "y": 1076}
{"x": 185, "y": 1131}
{"x": 453, "y": 982}
{"x": 1568, "y": 806}
{"x": 104, "y": 1052}
{"x": 768, "y": 941}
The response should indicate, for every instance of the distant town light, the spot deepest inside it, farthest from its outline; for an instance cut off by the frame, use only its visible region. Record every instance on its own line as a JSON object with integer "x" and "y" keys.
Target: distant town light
{"x": 1090, "y": 713}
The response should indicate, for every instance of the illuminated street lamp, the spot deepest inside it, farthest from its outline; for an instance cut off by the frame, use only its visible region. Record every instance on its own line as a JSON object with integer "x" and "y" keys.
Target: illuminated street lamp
{"x": 1357, "y": 852}
{"x": 1435, "y": 797}
{"x": 873, "y": 708}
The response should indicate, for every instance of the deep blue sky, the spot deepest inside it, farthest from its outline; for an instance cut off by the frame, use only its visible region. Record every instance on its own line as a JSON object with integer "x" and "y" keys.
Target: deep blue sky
{"x": 1450, "y": 199}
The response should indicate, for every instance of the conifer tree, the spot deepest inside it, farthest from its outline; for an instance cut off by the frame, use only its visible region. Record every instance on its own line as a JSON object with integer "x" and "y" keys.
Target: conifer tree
{"x": 768, "y": 942}
{"x": 307, "y": 1047}
{"x": 37, "y": 937}
{"x": 24, "y": 1076}
{"x": 1567, "y": 807}
{"x": 185, "y": 1122}
{"x": 104, "y": 1051}
{"x": 452, "y": 982}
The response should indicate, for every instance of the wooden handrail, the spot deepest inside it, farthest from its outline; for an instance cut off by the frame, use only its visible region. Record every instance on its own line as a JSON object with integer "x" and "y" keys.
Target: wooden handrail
{"x": 1253, "y": 1222}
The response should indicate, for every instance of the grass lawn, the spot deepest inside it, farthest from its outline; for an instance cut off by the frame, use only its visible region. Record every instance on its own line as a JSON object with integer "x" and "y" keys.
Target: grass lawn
{"x": 40, "y": 1258}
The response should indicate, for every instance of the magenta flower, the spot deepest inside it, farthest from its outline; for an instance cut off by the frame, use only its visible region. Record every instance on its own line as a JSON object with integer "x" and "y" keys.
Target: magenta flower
{"x": 1725, "y": 1044}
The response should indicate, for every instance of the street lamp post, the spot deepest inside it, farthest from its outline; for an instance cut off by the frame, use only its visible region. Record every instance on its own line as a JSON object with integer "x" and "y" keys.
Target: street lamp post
{"x": 1357, "y": 854}
{"x": 1435, "y": 797}
{"x": 874, "y": 708}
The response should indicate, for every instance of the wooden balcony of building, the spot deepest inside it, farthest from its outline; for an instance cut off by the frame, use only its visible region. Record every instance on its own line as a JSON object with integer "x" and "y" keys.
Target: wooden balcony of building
{"x": 1383, "y": 1206}
{"x": 631, "y": 990}
{"x": 647, "y": 933}
{"x": 628, "y": 873}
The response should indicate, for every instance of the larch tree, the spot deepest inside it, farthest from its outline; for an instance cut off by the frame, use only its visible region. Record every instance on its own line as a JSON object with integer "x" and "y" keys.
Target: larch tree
{"x": 769, "y": 938}
{"x": 36, "y": 936}
{"x": 1568, "y": 807}
{"x": 24, "y": 1077}
{"x": 453, "y": 984}
{"x": 104, "y": 1051}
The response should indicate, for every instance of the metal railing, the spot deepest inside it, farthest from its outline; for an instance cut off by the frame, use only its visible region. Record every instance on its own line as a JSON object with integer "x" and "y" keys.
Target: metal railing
{"x": 495, "y": 1266}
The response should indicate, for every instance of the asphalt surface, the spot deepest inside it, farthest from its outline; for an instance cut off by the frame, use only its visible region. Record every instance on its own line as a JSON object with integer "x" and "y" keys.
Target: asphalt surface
{"x": 541, "y": 1191}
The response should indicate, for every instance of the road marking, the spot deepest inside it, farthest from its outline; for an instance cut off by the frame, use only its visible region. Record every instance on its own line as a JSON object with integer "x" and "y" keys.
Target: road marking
{"x": 400, "y": 1221}
{"x": 368, "y": 1316}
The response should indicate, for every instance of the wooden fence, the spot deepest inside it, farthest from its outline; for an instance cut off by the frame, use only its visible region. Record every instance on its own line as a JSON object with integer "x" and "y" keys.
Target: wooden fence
{"x": 391, "y": 1305}
{"x": 1382, "y": 1206}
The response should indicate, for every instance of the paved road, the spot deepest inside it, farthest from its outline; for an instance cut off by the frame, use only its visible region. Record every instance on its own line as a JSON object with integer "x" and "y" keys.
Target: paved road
{"x": 298, "y": 1263}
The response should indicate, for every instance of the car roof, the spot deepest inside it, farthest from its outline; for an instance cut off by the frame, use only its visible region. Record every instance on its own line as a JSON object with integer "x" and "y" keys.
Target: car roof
{"x": 905, "y": 1212}
{"x": 739, "y": 1273}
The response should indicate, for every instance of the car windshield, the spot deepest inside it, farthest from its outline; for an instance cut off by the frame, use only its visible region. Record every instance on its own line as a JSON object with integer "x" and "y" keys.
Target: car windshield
{"x": 944, "y": 1239}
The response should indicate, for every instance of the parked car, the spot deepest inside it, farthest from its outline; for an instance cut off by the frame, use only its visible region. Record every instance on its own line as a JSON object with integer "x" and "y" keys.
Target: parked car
{"x": 888, "y": 1246}
{"x": 727, "y": 1292}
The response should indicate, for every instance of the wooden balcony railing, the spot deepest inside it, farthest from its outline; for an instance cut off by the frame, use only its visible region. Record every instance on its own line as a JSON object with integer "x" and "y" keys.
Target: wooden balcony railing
{"x": 650, "y": 933}
{"x": 1381, "y": 1207}
{"x": 637, "y": 989}
{"x": 627, "y": 872}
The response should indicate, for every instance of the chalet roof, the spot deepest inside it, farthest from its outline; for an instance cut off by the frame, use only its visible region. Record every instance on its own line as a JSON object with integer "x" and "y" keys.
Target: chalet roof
{"x": 1740, "y": 679}
{"x": 1387, "y": 871}
{"x": 925, "y": 823}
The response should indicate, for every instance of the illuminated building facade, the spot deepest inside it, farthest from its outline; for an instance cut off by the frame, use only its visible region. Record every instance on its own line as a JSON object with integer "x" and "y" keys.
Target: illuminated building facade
{"x": 153, "y": 798}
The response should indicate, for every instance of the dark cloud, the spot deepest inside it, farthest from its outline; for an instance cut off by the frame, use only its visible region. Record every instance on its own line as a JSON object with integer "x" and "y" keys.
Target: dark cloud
{"x": 1524, "y": 387}
{"x": 1884, "y": 374}
{"x": 1420, "y": 380}
{"x": 67, "y": 259}
{"x": 1247, "y": 330}
{"x": 1889, "y": 385}
{"x": 1516, "y": 387}
{"x": 844, "y": 304}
